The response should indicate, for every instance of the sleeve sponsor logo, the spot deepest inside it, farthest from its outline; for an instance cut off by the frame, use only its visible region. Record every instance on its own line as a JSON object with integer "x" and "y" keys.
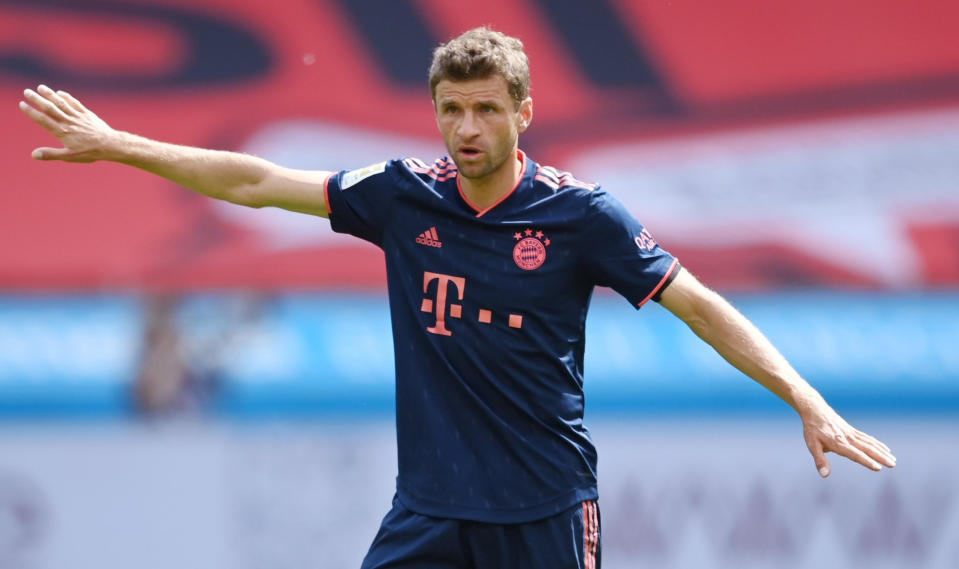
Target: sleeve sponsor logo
{"x": 645, "y": 241}
{"x": 354, "y": 177}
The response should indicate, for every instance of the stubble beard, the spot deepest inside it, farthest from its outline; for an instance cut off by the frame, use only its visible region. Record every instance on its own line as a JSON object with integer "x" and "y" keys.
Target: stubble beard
{"x": 483, "y": 169}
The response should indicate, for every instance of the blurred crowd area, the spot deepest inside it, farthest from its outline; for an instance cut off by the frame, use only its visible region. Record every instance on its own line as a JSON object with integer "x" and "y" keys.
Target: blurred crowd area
{"x": 810, "y": 154}
{"x": 769, "y": 148}
{"x": 801, "y": 158}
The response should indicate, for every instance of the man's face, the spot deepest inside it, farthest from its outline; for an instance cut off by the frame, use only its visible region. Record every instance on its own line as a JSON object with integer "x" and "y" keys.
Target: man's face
{"x": 480, "y": 124}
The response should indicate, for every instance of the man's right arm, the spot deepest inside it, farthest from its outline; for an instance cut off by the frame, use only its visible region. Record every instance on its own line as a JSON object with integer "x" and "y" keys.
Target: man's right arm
{"x": 230, "y": 176}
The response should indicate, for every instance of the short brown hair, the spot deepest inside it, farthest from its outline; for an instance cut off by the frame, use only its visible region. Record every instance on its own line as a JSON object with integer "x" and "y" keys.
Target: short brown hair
{"x": 480, "y": 53}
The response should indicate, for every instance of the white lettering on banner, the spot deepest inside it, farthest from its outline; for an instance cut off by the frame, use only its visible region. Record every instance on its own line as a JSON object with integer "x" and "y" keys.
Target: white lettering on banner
{"x": 262, "y": 353}
{"x": 367, "y": 339}
{"x": 846, "y": 191}
{"x": 62, "y": 351}
{"x": 354, "y": 177}
{"x": 315, "y": 145}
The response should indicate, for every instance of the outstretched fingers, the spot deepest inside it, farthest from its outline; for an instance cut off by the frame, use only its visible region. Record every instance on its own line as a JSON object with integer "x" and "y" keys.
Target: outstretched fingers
{"x": 873, "y": 441}
{"x": 45, "y": 112}
{"x": 56, "y": 99}
{"x": 856, "y": 446}
{"x": 38, "y": 116}
{"x": 875, "y": 448}
{"x": 72, "y": 102}
{"x": 848, "y": 447}
{"x": 40, "y": 101}
{"x": 81, "y": 132}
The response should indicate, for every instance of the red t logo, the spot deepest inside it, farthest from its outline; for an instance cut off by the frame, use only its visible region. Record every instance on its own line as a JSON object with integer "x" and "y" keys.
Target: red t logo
{"x": 439, "y": 307}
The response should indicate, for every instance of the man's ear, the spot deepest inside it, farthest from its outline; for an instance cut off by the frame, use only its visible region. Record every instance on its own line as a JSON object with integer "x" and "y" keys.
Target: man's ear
{"x": 525, "y": 114}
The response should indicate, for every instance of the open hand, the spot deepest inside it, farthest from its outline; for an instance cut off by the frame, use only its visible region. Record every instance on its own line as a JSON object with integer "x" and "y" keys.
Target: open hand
{"x": 84, "y": 135}
{"x": 825, "y": 431}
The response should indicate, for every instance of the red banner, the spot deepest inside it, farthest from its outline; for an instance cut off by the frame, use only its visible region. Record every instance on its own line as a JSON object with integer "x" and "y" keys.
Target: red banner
{"x": 737, "y": 90}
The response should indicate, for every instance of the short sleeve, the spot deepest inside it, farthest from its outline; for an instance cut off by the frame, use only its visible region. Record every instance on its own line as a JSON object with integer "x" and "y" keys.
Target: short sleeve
{"x": 360, "y": 201}
{"x": 621, "y": 254}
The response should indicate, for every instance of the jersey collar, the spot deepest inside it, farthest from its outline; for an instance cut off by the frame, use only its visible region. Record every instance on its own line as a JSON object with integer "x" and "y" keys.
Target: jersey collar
{"x": 522, "y": 174}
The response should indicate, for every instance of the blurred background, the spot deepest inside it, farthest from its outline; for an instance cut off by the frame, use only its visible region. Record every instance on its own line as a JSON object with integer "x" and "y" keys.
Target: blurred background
{"x": 190, "y": 383}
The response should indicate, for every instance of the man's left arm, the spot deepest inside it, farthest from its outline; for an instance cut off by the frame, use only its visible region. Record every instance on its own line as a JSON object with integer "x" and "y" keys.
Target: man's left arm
{"x": 737, "y": 340}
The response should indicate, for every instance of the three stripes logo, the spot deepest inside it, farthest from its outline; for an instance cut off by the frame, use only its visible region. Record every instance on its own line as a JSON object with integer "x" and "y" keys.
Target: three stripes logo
{"x": 429, "y": 238}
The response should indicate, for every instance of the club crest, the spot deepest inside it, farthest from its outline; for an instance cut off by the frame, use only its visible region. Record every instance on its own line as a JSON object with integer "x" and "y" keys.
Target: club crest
{"x": 529, "y": 253}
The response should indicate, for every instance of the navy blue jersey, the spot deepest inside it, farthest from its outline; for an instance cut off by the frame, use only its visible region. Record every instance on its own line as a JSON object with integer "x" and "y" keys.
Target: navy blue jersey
{"x": 488, "y": 311}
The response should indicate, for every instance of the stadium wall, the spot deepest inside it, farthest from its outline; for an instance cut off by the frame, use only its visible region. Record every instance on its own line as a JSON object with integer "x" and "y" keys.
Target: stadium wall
{"x": 692, "y": 493}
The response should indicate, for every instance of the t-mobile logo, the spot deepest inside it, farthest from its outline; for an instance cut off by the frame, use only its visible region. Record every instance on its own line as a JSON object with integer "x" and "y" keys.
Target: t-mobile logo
{"x": 439, "y": 306}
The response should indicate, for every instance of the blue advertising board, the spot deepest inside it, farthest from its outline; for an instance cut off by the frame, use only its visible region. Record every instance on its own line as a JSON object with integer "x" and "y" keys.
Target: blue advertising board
{"x": 68, "y": 354}
{"x": 293, "y": 354}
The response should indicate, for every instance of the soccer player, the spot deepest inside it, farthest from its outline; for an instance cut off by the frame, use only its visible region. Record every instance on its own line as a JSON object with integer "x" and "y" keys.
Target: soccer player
{"x": 491, "y": 261}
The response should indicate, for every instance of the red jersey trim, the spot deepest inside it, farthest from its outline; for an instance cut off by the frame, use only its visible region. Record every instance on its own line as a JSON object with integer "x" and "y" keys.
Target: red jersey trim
{"x": 442, "y": 169}
{"x": 660, "y": 284}
{"x": 481, "y": 212}
{"x": 590, "y": 534}
{"x": 326, "y": 194}
{"x": 556, "y": 179}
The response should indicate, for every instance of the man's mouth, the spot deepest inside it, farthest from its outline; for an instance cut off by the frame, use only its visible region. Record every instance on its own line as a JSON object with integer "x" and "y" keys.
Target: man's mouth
{"x": 469, "y": 151}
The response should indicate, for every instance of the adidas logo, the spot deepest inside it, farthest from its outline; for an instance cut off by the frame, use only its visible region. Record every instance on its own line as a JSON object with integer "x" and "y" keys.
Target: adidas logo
{"x": 429, "y": 238}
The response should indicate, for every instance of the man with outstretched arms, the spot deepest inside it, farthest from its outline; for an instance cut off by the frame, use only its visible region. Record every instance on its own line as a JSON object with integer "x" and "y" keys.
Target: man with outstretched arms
{"x": 491, "y": 262}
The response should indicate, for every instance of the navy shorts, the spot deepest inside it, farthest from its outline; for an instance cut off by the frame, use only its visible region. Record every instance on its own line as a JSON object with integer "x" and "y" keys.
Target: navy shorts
{"x": 407, "y": 540}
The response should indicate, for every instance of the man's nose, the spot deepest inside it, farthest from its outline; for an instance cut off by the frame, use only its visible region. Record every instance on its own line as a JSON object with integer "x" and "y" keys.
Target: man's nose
{"x": 469, "y": 126}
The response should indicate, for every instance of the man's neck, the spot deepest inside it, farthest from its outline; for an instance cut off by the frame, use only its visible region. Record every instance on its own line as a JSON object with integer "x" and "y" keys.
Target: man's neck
{"x": 485, "y": 192}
